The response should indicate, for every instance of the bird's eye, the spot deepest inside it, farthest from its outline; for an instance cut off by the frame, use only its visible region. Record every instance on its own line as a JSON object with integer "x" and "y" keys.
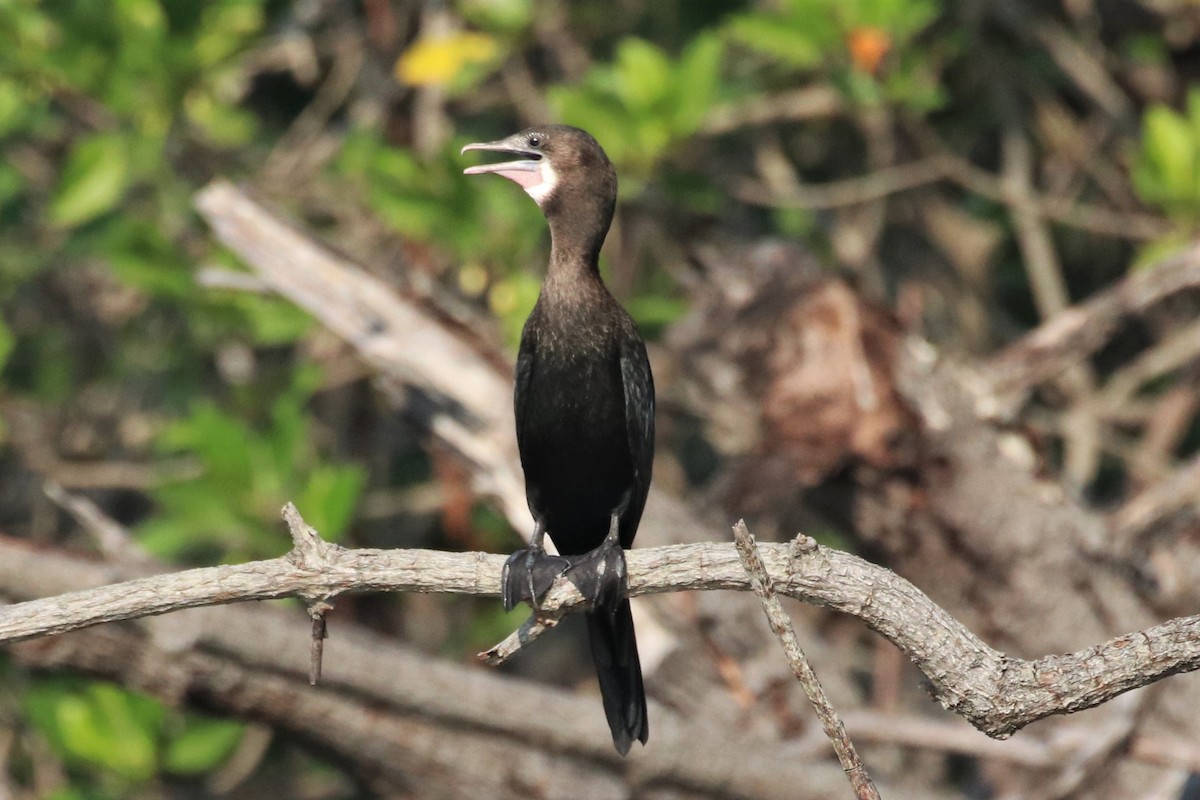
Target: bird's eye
{"x": 535, "y": 141}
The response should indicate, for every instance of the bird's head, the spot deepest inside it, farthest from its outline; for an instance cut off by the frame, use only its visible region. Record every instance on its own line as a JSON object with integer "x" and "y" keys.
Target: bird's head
{"x": 557, "y": 165}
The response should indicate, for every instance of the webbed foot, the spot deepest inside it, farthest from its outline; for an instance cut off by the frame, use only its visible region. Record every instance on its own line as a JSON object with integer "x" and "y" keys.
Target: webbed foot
{"x": 528, "y": 575}
{"x": 600, "y": 574}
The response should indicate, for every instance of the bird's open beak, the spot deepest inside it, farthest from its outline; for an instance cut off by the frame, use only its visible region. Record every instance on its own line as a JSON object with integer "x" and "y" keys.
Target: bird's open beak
{"x": 525, "y": 171}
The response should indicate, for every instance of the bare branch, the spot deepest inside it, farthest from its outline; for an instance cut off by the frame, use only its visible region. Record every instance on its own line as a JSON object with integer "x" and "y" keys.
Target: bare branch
{"x": 808, "y": 102}
{"x": 1080, "y": 330}
{"x": 392, "y": 711}
{"x": 781, "y": 625}
{"x": 997, "y": 693}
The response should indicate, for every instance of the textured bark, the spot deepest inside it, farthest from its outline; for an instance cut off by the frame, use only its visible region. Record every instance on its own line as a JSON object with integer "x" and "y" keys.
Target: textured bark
{"x": 996, "y": 693}
{"x": 399, "y": 720}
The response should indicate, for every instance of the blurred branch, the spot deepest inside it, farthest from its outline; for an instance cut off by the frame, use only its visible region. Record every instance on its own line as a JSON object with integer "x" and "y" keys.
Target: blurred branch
{"x": 1177, "y": 491}
{"x": 998, "y": 694}
{"x": 1048, "y": 751}
{"x": 947, "y": 166}
{"x": 1176, "y": 349}
{"x": 486, "y": 747}
{"x": 810, "y": 102}
{"x": 1063, "y": 210}
{"x": 1080, "y": 426}
{"x": 1080, "y": 330}
{"x": 851, "y": 191}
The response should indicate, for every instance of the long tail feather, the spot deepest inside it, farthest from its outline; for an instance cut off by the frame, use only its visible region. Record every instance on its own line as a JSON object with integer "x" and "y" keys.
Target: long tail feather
{"x": 614, "y": 650}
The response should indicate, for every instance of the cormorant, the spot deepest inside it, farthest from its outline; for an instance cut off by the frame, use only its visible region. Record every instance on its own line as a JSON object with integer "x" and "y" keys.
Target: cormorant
{"x": 584, "y": 402}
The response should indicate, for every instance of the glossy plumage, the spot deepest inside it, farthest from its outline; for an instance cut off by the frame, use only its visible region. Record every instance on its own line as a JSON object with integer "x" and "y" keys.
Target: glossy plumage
{"x": 584, "y": 399}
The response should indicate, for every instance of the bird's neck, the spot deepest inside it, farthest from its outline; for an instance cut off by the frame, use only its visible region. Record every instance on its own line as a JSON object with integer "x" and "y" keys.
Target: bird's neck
{"x": 578, "y": 224}
{"x": 573, "y": 288}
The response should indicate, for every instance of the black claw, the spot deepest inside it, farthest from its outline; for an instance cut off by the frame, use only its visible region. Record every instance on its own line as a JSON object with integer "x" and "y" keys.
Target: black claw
{"x": 528, "y": 574}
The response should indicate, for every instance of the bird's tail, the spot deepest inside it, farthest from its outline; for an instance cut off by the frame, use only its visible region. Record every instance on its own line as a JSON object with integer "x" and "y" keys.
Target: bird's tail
{"x": 614, "y": 649}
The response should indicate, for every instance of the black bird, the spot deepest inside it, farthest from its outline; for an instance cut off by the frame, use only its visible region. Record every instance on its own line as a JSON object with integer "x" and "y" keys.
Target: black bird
{"x": 584, "y": 401}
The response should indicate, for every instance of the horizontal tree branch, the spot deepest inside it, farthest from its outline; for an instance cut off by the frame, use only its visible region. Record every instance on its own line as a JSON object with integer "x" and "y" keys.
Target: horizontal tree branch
{"x": 397, "y": 713}
{"x": 996, "y": 693}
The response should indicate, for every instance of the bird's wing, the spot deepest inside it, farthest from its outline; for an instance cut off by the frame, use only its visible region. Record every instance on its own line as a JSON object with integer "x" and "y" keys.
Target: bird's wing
{"x": 639, "y": 408}
{"x": 525, "y": 359}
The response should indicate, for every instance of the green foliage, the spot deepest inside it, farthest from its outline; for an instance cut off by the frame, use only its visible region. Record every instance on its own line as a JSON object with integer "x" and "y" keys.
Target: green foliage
{"x": 1167, "y": 171}
{"x": 7, "y": 342}
{"x": 200, "y": 744}
{"x": 866, "y": 47}
{"x": 248, "y": 472}
{"x": 430, "y": 200}
{"x": 654, "y": 312}
{"x": 491, "y": 232}
{"x": 807, "y": 33}
{"x": 644, "y": 102}
{"x": 502, "y": 16}
{"x": 120, "y": 739}
{"x": 95, "y": 178}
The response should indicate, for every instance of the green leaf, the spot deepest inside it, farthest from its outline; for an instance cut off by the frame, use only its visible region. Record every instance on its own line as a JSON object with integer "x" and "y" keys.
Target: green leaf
{"x": 642, "y": 74}
{"x": 272, "y": 320}
{"x": 7, "y": 342}
{"x": 1167, "y": 173}
{"x": 203, "y": 745}
{"x": 223, "y": 125}
{"x": 768, "y": 36}
{"x": 220, "y": 440}
{"x": 508, "y": 16}
{"x": 94, "y": 180}
{"x": 330, "y": 497}
{"x": 13, "y": 106}
{"x": 99, "y": 724}
{"x": 1171, "y": 147}
{"x": 696, "y": 81}
{"x": 139, "y": 19}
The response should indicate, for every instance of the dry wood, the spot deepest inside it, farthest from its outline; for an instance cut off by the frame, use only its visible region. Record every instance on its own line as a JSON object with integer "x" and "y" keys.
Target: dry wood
{"x": 781, "y": 626}
{"x": 996, "y": 693}
{"x": 399, "y": 715}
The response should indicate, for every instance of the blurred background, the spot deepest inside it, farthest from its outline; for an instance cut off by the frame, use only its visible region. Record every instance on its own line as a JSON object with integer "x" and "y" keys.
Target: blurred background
{"x": 807, "y": 189}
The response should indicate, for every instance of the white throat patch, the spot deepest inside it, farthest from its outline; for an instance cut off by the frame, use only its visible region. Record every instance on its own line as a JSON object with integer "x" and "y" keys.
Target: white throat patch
{"x": 540, "y": 191}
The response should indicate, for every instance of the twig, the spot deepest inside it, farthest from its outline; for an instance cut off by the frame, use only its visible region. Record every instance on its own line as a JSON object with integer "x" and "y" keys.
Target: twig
{"x": 996, "y": 693}
{"x": 1181, "y": 489}
{"x": 320, "y": 630}
{"x": 1081, "y": 434}
{"x": 809, "y": 102}
{"x": 1037, "y": 249}
{"x": 291, "y": 161}
{"x": 111, "y": 538}
{"x": 530, "y": 629}
{"x": 228, "y": 279}
{"x": 1177, "y": 349}
{"x": 1063, "y": 210}
{"x": 781, "y": 625}
{"x": 1079, "y": 331}
{"x": 948, "y": 166}
{"x": 851, "y": 191}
